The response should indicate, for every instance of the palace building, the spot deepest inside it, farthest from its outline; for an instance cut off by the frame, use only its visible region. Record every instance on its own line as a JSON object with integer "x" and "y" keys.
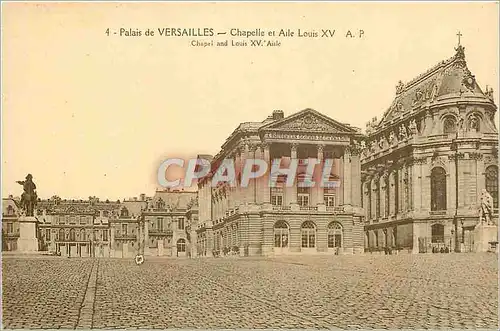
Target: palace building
{"x": 264, "y": 220}
{"x": 82, "y": 228}
{"x": 427, "y": 161}
{"x": 413, "y": 182}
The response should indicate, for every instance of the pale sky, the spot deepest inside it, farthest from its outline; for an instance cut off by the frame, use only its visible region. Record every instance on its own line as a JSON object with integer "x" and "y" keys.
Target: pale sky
{"x": 89, "y": 114}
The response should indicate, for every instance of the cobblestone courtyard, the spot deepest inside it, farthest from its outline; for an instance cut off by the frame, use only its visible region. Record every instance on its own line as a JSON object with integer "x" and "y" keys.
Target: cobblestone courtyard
{"x": 396, "y": 291}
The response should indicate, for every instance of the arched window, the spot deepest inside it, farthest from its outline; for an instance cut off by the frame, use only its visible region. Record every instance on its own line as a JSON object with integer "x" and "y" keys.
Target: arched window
{"x": 449, "y": 125}
{"x": 438, "y": 189}
{"x": 437, "y": 232}
{"x": 369, "y": 192}
{"x": 124, "y": 212}
{"x": 308, "y": 231}
{"x": 377, "y": 198}
{"x": 83, "y": 237}
{"x": 335, "y": 237}
{"x": 281, "y": 234}
{"x": 491, "y": 175}
{"x": 396, "y": 192}
{"x": 62, "y": 236}
{"x": 181, "y": 245}
{"x": 72, "y": 235}
{"x": 387, "y": 196}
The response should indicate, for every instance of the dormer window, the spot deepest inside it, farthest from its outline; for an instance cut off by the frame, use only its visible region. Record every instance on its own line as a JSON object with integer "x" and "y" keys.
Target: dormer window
{"x": 160, "y": 204}
{"x": 10, "y": 210}
{"x": 124, "y": 212}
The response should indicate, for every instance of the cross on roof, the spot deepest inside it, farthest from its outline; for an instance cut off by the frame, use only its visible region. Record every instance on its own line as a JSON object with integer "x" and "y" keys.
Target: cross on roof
{"x": 459, "y": 35}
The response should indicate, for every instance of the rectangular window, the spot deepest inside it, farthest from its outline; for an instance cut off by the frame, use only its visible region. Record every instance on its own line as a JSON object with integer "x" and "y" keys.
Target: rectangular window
{"x": 303, "y": 199}
{"x": 124, "y": 229}
{"x": 83, "y": 220}
{"x": 277, "y": 200}
{"x": 105, "y": 235}
{"x": 10, "y": 228}
{"x": 72, "y": 220}
{"x": 159, "y": 221}
{"x": 181, "y": 223}
{"x": 47, "y": 234}
{"x": 329, "y": 200}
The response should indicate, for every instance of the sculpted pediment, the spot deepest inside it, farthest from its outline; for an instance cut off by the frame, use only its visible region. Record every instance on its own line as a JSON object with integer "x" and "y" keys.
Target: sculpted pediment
{"x": 308, "y": 120}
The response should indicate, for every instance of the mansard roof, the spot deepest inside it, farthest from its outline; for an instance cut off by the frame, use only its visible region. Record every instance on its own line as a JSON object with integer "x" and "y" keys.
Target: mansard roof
{"x": 447, "y": 78}
{"x": 175, "y": 200}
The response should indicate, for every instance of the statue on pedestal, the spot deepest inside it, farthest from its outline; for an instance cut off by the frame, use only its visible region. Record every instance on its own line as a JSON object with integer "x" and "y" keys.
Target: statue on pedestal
{"x": 486, "y": 209}
{"x": 29, "y": 196}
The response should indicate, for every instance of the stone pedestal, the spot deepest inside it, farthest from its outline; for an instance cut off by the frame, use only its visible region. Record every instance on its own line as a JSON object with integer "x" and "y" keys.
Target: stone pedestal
{"x": 483, "y": 235}
{"x": 27, "y": 241}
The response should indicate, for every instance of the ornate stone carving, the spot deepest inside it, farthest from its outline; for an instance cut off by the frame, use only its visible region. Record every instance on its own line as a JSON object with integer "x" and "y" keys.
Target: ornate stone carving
{"x": 308, "y": 122}
{"x": 381, "y": 143}
{"x": 469, "y": 80}
{"x": 418, "y": 96}
{"x": 392, "y": 138}
{"x": 419, "y": 160}
{"x": 475, "y": 156}
{"x": 489, "y": 93}
{"x": 400, "y": 87}
{"x": 402, "y": 132}
{"x": 434, "y": 92}
{"x": 486, "y": 210}
{"x": 473, "y": 123}
{"x": 413, "y": 127}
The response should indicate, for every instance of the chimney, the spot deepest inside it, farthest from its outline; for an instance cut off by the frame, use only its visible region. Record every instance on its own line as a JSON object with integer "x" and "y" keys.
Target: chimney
{"x": 135, "y": 198}
{"x": 143, "y": 197}
{"x": 278, "y": 115}
{"x": 10, "y": 196}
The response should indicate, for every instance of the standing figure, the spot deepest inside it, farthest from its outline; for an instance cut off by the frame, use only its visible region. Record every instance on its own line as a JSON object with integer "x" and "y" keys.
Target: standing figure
{"x": 486, "y": 209}
{"x": 29, "y": 196}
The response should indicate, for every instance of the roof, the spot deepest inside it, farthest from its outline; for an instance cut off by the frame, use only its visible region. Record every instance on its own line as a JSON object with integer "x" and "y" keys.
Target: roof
{"x": 447, "y": 77}
{"x": 175, "y": 199}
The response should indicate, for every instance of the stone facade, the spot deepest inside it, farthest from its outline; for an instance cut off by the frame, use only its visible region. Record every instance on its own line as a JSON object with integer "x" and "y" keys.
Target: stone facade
{"x": 81, "y": 228}
{"x": 427, "y": 160}
{"x": 260, "y": 220}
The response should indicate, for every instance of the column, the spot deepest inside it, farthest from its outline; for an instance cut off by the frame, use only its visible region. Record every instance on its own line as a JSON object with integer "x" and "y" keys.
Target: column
{"x": 366, "y": 196}
{"x": 346, "y": 178}
{"x": 265, "y": 194}
{"x": 415, "y": 186}
{"x": 245, "y": 191}
{"x": 392, "y": 193}
{"x": 340, "y": 191}
{"x": 253, "y": 185}
{"x": 356, "y": 180}
{"x": 383, "y": 192}
{"x": 317, "y": 186}
{"x": 373, "y": 196}
{"x": 480, "y": 178}
{"x": 237, "y": 167}
{"x": 400, "y": 189}
{"x": 292, "y": 190}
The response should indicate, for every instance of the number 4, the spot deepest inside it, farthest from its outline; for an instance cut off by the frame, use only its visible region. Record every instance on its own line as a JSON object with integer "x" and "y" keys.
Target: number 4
{"x": 107, "y": 31}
